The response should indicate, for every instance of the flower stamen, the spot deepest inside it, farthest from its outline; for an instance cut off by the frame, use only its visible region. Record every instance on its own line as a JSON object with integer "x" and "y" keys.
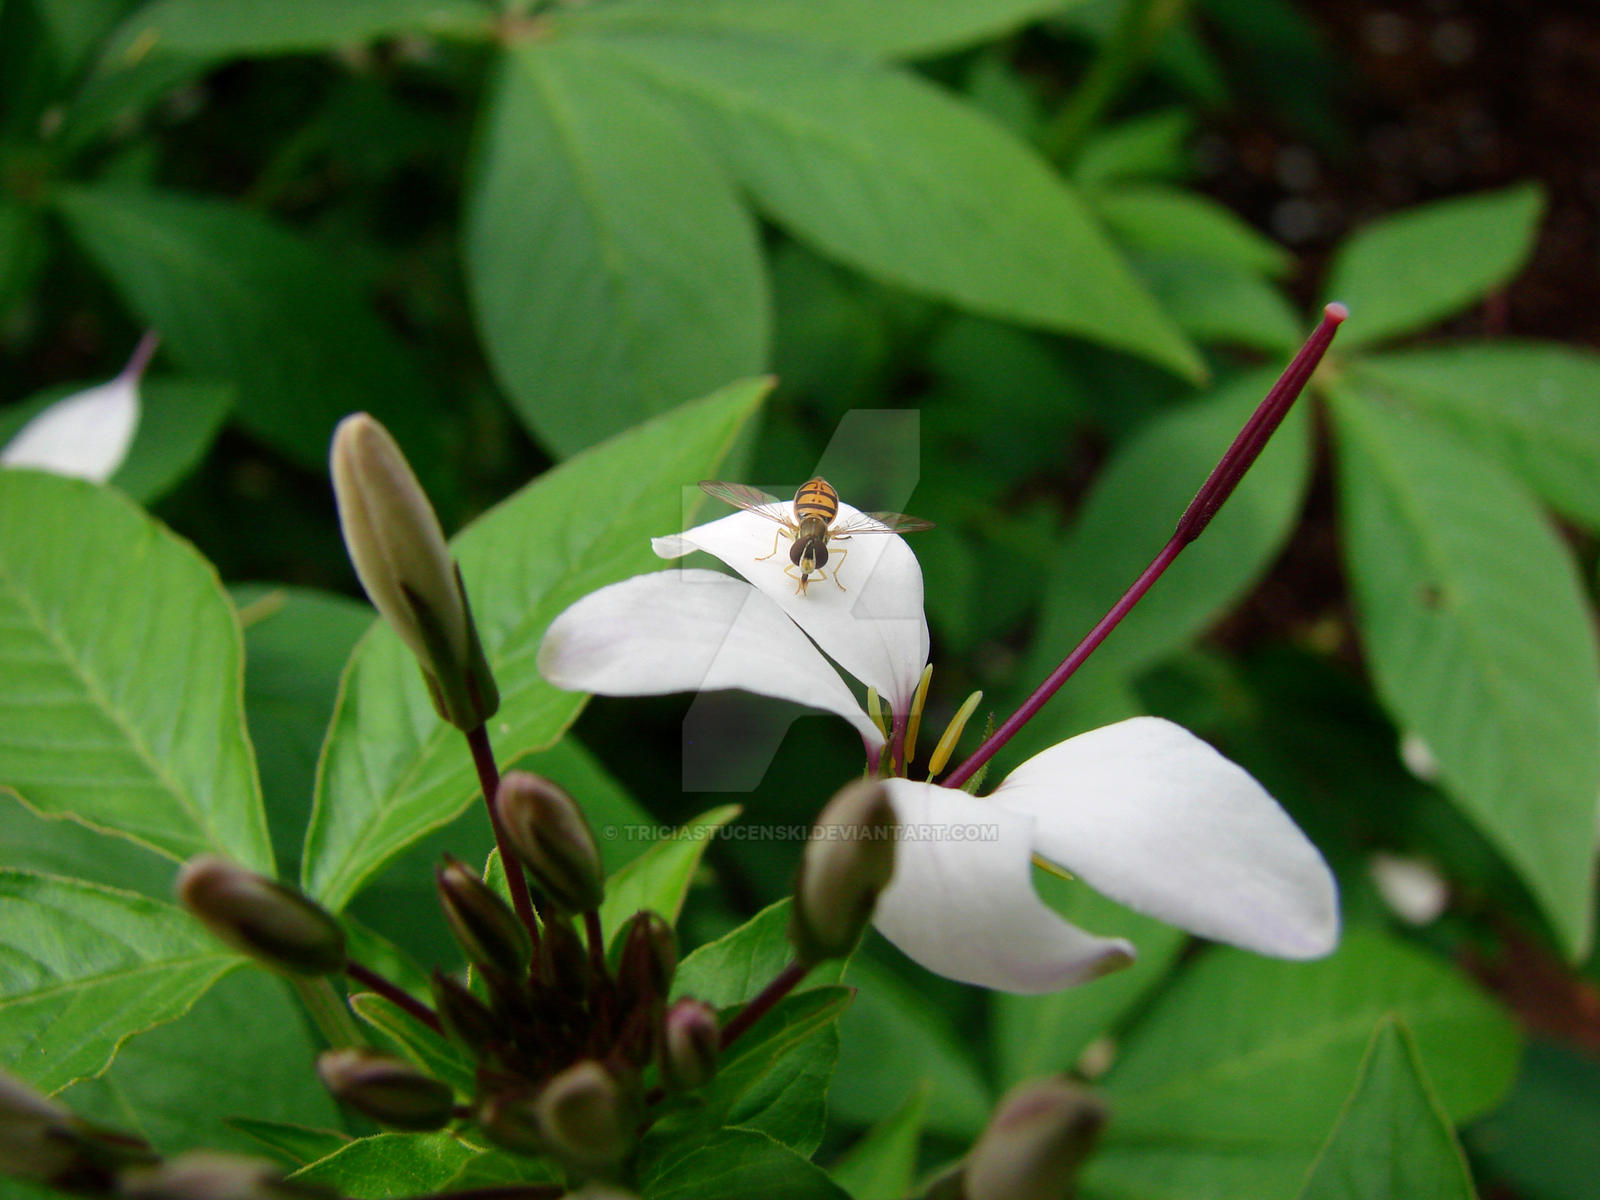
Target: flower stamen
{"x": 952, "y": 734}
{"x": 914, "y": 722}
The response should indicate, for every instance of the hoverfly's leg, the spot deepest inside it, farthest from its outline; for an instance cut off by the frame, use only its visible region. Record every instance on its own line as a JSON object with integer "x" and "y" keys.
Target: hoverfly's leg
{"x": 838, "y": 561}
{"x": 800, "y": 580}
{"x": 781, "y": 533}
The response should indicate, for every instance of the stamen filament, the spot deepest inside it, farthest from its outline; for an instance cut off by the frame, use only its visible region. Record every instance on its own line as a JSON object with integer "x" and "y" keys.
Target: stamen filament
{"x": 952, "y": 734}
{"x": 914, "y": 724}
{"x": 875, "y": 710}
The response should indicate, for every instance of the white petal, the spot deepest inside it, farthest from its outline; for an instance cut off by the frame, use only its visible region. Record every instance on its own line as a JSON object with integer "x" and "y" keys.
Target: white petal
{"x": 86, "y": 434}
{"x": 1150, "y": 815}
{"x": 874, "y": 628}
{"x": 691, "y": 631}
{"x": 962, "y": 902}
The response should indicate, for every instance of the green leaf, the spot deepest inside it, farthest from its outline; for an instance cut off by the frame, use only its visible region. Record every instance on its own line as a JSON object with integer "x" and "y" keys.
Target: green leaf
{"x": 224, "y": 28}
{"x": 1131, "y": 513}
{"x": 1173, "y": 222}
{"x": 293, "y": 1144}
{"x": 1222, "y": 305}
{"x": 1541, "y": 1140}
{"x": 882, "y": 1165}
{"x": 390, "y": 1164}
{"x": 886, "y": 28}
{"x": 435, "y": 1054}
{"x": 885, "y": 172}
{"x": 85, "y": 967}
{"x": 1154, "y": 146}
{"x": 1393, "y": 1141}
{"x": 613, "y": 269}
{"x": 659, "y": 878}
{"x": 735, "y": 967}
{"x": 1231, "y": 1083}
{"x": 736, "y": 1164}
{"x": 1405, "y": 272}
{"x": 178, "y": 421}
{"x": 1042, "y": 1035}
{"x": 775, "y": 1078}
{"x": 245, "y": 1047}
{"x": 24, "y": 247}
{"x": 1529, "y": 405}
{"x": 1475, "y": 625}
{"x": 227, "y": 288}
{"x": 391, "y": 770}
{"x": 120, "y": 665}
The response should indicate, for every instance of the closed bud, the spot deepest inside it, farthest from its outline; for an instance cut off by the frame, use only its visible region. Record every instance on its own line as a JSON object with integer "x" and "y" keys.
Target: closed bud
{"x": 508, "y": 1119}
{"x": 468, "y": 1019}
{"x": 649, "y": 957}
{"x": 585, "y": 1119}
{"x": 490, "y": 933}
{"x": 845, "y": 866}
{"x": 261, "y": 917}
{"x": 552, "y": 837}
{"x": 390, "y": 1091}
{"x": 1038, "y": 1137}
{"x": 206, "y": 1175}
{"x": 690, "y": 1044}
{"x": 43, "y": 1142}
{"x": 563, "y": 960}
{"x": 399, "y": 552}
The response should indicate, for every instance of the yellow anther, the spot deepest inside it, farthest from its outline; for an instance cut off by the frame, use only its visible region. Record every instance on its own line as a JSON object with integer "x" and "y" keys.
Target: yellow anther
{"x": 875, "y": 710}
{"x": 915, "y": 722}
{"x": 1055, "y": 869}
{"x": 952, "y": 734}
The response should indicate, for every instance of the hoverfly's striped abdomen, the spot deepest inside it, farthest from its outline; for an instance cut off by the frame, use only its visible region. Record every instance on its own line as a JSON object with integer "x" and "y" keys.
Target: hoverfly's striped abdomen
{"x": 816, "y": 498}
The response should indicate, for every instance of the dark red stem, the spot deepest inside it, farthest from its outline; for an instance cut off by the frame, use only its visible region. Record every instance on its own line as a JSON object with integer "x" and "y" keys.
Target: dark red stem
{"x": 489, "y": 780}
{"x": 368, "y": 978}
{"x": 1217, "y": 488}
{"x": 762, "y": 1004}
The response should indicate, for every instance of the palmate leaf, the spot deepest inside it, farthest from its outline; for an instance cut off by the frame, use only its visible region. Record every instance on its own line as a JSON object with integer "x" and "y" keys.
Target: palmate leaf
{"x": 885, "y": 172}
{"x": 1479, "y": 637}
{"x": 84, "y": 967}
{"x": 1393, "y": 1141}
{"x": 391, "y": 770}
{"x": 613, "y": 269}
{"x": 120, "y": 664}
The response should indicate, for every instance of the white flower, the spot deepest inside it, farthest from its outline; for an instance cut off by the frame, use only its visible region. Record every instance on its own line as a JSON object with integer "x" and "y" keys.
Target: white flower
{"x": 86, "y": 434}
{"x": 1142, "y": 810}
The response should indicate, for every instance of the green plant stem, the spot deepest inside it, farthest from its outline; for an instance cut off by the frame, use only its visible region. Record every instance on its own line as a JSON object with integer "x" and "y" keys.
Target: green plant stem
{"x": 329, "y": 1011}
{"x": 1137, "y": 31}
{"x": 489, "y": 780}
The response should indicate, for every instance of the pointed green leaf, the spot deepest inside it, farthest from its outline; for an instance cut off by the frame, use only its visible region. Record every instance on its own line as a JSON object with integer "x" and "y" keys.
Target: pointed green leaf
{"x": 614, "y": 271}
{"x": 1393, "y": 1141}
{"x": 1230, "y": 1084}
{"x": 84, "y": 967}
{"x": 882, "y": 1165}
{"x": 296, "y": 1145}
{"x": 391, "y": 770}
{"x": 120, "y": 665}
{"x": 775, "y": 1078}
{"x": 227, "y": 288}
{"x": 887, "y": 28}
{"x": 659, "y": 878}
{"x": 887, "y": 173}
{"x": 434, "y": 1053}
{"x": 736, "y": 966}
{"x": 1404, "y": 272}
{"x": 390, "y": 1164}
{"x": 1478, "y": 635}
{"x": 1531, "y": 405}
{"x": 1170, "y": 221}
{"x": 735, "y": 1164}
{"x": 223, "y": 28}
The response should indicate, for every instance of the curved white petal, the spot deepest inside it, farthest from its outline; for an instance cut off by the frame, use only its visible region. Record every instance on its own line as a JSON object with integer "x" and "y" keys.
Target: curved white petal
{"x": 962, "y": 903}
{"x": 1152, "y": 816}
{"x": 874, "y": 628}
{"x": 86, "y": 434}
{"x": 691, "y": 631}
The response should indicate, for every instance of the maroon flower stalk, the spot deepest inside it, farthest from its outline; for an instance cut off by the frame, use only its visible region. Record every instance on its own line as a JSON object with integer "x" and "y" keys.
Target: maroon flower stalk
{"x": 1217, "y": 488}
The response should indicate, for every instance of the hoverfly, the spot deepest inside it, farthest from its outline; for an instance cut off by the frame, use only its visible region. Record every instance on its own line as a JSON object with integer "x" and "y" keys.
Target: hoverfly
{"x": 816, "y": 505}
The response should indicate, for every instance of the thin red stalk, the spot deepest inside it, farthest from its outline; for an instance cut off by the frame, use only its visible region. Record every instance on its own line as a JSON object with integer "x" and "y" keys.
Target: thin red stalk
{"x": 142, "y": 353}
{"x": 781, "y": 986}
{"x": 597, "y": 946}
{"x": 489, "y": 780}
{"x": 1236, "y": 460}
{"x": 395, "y": 994}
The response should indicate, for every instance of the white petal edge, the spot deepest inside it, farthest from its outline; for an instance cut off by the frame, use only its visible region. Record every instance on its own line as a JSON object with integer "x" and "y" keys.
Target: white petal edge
{"x": 875, "y": 628}
{"x": 691, "y": 631}
{"x": 85, "y": 435}
{"x": 962, "y": 902}
{"x": 1155, "y": 818}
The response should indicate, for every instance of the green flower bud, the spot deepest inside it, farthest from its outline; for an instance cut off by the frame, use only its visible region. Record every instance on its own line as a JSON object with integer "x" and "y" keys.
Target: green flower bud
{"x": 390, "y": 1091}
{"x": 261, "y": 917}
{"x": 400, "y": 554}
{"x": 1038, "y": 1137}
{"x": 509, "y": 1121}
{"x": 846, "y": 864}
{"x": 207, "y": 1175}
{"x": 552, "y": 837}
{"x": 649, "y": 957}
{"x": 467, "y": 1018}
{"x": 490, "y": 933}
{"x": 585, "y": 1120}
{"x": 690, "y": 1044}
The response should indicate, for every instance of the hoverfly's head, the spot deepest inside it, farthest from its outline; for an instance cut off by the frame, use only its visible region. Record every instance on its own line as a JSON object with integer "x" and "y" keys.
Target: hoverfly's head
{"x": 809, "y": 554}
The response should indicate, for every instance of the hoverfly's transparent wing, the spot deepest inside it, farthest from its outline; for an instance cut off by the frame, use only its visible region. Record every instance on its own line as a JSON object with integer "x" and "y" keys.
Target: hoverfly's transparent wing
{"x": 879, "y": 522}
{"x": 750, "y": 499}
